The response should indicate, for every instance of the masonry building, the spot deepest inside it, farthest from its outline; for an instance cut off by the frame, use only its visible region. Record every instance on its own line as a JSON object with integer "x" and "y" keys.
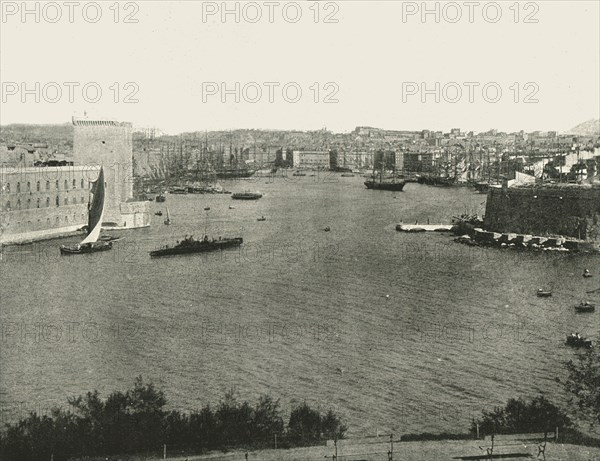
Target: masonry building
{"x": 41, "y": 202}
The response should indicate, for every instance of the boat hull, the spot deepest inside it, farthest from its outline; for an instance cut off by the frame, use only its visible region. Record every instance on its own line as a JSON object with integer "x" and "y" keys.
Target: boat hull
{"x": 233, "y": 174}
{"x": 393, "y": 186}
{"x": 198, "y": 247}
{"x": 246, "y": 196}
{"x": 85, "y": 249}
{"x": 585, "y": 308}
{"x": 579, "y": 342}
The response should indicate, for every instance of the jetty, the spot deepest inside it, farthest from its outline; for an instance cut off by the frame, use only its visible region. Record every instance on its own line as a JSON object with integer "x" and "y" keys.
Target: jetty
{"x": 423, "y": 227}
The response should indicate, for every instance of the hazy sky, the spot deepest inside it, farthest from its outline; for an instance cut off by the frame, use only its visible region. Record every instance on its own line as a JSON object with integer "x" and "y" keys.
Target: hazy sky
{"x": 374, "y": 61}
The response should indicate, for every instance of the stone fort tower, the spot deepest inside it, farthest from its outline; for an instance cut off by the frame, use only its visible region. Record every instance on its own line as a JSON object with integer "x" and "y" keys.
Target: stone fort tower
{"x": 108, "y": 143}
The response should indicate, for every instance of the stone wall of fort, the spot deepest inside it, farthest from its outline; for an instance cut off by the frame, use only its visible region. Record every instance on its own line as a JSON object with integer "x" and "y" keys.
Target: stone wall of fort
{"x": 572, "y": 211}
{"x": 43, "y": 201}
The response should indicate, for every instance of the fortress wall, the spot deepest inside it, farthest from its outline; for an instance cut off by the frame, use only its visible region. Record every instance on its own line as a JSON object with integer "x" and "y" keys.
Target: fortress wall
{"x": 41, "y": 222}
{"x": 543, "y": 211}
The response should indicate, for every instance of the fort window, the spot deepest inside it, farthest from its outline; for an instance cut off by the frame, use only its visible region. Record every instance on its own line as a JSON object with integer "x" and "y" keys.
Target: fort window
{"x": 82, "y": 183}
{"x": 74, "y": 183}
{"x": 66, "y": 220}
{"x": 19, "y": 204}
{"x": 57, "y": 184}
{"x": 66, "y": 185}
{"x": 28, "y": 186}
{"x": 47, "y": 201}
{"x": 28, "y": 203}
{"x": 38, "y": 186}
{"x": 74, "y": 200}
{"x": 8, "y": 187}
{"x": 82, "y": 199}
{"x": 57, "y": 220}
{"x": 38, "y": 202}
{"x": 48, "y": 222}
{"x": 66, "y": 201}
{"x": 18, "y": 187}
{"x": 57, "y": 201}
{"x": 47, "y": 185}
{"x": 8, "y": 206}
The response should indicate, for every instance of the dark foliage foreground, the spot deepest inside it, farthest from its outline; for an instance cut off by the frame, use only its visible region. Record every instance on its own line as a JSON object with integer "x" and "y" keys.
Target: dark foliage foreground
{"x": 136, "y": 422}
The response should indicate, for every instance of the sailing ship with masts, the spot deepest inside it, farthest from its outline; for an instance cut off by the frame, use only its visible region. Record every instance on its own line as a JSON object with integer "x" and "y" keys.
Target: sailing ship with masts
{"x": 90, "y": 243}
{"x": 379, "y": 182}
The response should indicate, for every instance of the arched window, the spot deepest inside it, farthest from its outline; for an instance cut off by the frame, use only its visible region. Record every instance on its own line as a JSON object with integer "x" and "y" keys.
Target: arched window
{"x": 47, "y": 185}
{"x": 57, "y": 184}
{"x": 47, "y": 222}
{"x": 8, "y": 187}
{"x": 74, "y": 183}
{"x": 18, "y": 204}
{"x": 38, "y": 202}
{"x": 28, "y": 203}
{"x": 66, "y": 201}
{"x": 57, "y": 220}
{"x": 18, "y": 188}
{"x": 66, "y": 220}
{"x": 57, "y": 201}
{"x": 38, "y": 186}
{"x": 82, "y": 183}
{"x": 66, "y": 185}
{"x": 74, "y": 200}
{"x": 82, "y": 199}
{"x": 8, "y": 206}
{"x": 47, "y": 202}
{"x": 28, "y": 186}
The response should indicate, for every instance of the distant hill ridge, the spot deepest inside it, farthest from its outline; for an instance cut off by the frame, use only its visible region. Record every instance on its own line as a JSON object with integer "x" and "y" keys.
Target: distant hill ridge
{"x": 589, "y": 128}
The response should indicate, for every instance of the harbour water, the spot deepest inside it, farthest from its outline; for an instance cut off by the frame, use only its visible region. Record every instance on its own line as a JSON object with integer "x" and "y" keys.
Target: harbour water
{"x": 394, "y": 331}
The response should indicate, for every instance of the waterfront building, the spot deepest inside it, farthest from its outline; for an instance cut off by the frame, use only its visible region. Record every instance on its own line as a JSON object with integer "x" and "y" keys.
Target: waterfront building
{"x": 41, "y": 202}
{"x": 317, "y": 160}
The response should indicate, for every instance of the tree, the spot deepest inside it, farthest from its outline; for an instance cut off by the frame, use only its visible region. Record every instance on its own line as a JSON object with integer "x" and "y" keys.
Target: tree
{"x": 267, "y": 421}
{"x": 519, "y": 416}
{"x": 332, "y": 426}
{"x": 583, "y": 383}
{"x": 304, "y": 427}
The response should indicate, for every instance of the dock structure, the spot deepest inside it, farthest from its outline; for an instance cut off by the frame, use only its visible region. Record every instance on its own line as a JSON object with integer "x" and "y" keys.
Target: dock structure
{"x": 424, "y": 227}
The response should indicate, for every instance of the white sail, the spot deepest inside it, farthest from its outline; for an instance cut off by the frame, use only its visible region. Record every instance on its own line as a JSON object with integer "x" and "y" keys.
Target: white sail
{"x": 96, "y": 210}
{"x": 95, "y": 234}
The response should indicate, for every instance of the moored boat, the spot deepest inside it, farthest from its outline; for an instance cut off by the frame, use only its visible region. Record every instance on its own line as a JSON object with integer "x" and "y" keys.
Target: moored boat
{"x": 543, "y": 293}
{"x": 585, "y": 307}
{"x": 576, "y": 340}
{"x": 392, "y": 185}
{"x": 246, "y": 196}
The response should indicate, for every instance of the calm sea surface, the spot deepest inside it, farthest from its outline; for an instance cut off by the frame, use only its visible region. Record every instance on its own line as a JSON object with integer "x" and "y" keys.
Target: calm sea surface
{"x": 395, "y": 331}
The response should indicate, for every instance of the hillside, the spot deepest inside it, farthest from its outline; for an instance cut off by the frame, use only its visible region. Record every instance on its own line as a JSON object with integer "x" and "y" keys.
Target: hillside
{"x": 589, "y": 128}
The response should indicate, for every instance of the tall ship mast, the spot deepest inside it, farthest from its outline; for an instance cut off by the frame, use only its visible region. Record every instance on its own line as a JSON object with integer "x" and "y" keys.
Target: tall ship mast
{"x": 392, "y": 183}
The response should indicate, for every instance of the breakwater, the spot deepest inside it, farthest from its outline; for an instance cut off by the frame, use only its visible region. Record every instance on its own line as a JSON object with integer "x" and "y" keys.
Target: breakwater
{"x": 555, "y": 210}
